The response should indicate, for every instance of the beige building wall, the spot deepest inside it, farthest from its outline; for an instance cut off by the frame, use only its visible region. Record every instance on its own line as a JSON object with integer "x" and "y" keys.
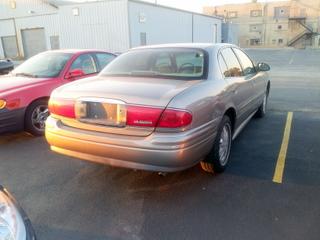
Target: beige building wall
{"x": 273, "y": 24}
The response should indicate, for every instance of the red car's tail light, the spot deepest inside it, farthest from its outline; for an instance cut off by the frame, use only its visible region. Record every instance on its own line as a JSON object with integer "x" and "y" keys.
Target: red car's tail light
{"x": 174, "y": 119}
{"x": 143, "y": 116}
{"x": 62, "y": 107}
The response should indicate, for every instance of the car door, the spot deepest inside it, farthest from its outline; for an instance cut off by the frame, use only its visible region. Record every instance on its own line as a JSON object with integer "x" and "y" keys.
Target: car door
{"x": 240, "y": 89}
{"x": 250, "y": 74}
{"x": 86, "y": 64}
{"x": 103, "y": 59}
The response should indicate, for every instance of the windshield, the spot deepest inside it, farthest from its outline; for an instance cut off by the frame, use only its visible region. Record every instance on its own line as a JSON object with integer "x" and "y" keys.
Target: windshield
{"x": 47, "y": 65}
{"x": 172, "y": 63}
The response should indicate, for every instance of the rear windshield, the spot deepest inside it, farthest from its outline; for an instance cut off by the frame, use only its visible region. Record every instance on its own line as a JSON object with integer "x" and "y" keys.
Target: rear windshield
{"x": 172, "y": 63}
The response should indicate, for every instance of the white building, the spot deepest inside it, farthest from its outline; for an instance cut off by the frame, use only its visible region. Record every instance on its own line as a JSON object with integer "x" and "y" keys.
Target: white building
{"x": 31, "y": 26}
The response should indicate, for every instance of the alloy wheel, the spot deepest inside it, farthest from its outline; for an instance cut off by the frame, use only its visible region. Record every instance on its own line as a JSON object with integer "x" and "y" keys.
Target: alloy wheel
{"x": 39, "y": 117}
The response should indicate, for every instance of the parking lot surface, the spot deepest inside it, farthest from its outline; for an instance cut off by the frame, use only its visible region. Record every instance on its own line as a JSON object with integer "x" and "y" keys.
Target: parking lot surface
{"x": 70, "y": 199}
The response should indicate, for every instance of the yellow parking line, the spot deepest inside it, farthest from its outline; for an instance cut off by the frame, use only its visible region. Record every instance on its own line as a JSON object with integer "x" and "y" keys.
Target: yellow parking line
{"x": 278, "y": 173}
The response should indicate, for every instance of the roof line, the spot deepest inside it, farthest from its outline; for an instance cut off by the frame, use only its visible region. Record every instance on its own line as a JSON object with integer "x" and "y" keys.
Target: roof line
{"x": 50, "y": 3}
{"x": 173, "y": 8}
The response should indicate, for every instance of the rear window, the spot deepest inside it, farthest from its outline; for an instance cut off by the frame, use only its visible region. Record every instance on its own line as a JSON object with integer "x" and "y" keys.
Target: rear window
{"x": 172, "y": 63}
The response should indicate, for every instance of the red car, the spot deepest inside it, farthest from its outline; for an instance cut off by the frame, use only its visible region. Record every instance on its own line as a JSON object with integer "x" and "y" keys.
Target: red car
{"x": 24, "y": 93}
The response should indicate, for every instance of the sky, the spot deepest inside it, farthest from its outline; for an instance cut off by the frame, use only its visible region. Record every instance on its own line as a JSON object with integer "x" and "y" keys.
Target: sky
{"x": 196, "y": 5}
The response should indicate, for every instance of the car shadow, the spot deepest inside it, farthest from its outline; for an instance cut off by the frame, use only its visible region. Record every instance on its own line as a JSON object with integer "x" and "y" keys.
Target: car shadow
{"x": 15, "y": 137}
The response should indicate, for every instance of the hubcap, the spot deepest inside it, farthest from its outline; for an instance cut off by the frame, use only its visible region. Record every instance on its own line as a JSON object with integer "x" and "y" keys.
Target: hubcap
{"x": 224, "y": 144}
{"x": 39, "y": 117}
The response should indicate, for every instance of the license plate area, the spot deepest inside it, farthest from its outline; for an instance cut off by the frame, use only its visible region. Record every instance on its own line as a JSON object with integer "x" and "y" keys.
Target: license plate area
{"x": 107, "y": 112}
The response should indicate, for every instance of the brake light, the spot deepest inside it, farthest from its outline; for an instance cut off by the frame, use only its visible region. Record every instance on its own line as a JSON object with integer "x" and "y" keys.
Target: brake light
{"x": 157, "y": 117}
{"x": 171, "y": 118}
{"x": 62, "y": 107}
{"x": 143, "y": 116}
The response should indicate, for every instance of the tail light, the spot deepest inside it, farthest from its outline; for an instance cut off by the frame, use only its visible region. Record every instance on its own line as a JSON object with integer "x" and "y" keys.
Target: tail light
{"x": 62, "y": 107}
{"x": 137, "y": 116}
{"x": 157, "y": 117}
{"x": 143, "y": 116}
{"x": 174, "y": 119}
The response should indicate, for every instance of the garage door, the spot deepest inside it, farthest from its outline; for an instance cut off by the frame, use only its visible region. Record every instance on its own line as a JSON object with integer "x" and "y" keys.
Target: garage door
{"x": 34, "y": 41}
{"x": 9, "y": 46}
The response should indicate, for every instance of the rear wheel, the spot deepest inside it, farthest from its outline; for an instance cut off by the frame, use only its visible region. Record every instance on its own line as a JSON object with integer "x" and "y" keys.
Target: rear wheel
{"x": 218, "y": 158}
{"x": 36, "y": 115}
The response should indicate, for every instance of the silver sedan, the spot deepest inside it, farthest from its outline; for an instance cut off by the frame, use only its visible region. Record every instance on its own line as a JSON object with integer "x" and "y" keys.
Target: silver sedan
{"x": 161, "y": 108}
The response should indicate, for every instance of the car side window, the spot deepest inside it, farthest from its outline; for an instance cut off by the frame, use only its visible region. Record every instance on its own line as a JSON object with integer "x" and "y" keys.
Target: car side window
{"x": 234, "y": 67}
{"x": 247, "y": 65}
{"x": 85, "y": 62}
{"x": 223, "y": 65}
{"x": 104, "y": 59}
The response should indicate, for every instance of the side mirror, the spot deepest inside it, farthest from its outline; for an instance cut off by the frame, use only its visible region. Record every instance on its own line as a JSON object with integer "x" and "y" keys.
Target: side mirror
{"x": 75, "y": 73}
{"x": 263, "y": 67}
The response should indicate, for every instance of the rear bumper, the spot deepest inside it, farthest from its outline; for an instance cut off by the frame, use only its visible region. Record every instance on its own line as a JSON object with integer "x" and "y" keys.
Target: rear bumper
{"x": 12, "y": 120}
{"x": 164, "y": 152}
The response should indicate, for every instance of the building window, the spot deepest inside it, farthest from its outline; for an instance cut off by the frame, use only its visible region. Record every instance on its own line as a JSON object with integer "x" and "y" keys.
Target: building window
{"x": 75, "y": 11}
{"x": 13, "y": 4}
{"x": 54, "y": 42}
{"x": 143, "y": 38}
{"x": 255, "y": 42}
{"x": 281, "y": 12}
{"x": 232, "y": 14}
{"x": 279, "y": 27}
{"x": 255, "y": 27}
{"x": 142, "y": 18}
{"x": 256, "y": 13}
{"x": 280, "y": 41}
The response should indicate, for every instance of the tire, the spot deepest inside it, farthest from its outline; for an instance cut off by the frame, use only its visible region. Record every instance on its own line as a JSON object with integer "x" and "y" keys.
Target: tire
{"x": 35, "y": 117}
{"x": 262, "y": 110}
{"x": 217, "y": 160}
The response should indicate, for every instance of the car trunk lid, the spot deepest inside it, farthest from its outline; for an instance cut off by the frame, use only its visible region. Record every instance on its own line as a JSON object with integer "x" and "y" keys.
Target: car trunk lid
{"x": 109, "y": 104}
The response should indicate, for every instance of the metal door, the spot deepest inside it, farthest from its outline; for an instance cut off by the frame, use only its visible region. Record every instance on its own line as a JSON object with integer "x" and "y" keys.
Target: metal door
{"x": 34, "y": 41}
{"x": 215, "y": 33}
{"x": 9, "y": 45}
{"x": 54, "y": 42}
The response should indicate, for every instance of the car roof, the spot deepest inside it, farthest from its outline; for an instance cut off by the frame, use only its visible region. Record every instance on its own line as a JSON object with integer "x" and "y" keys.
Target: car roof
{"x": 204, "y": 46}
{"x": 75, "y": 51}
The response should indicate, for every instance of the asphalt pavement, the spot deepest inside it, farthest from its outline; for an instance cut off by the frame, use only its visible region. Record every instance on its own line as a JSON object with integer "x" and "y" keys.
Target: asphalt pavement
{"x": 69, "y": 199}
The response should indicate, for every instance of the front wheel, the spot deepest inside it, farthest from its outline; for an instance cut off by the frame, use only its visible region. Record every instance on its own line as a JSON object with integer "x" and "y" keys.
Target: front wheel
{"x": 36, "y": 116}
{"x": 218, "y": 158}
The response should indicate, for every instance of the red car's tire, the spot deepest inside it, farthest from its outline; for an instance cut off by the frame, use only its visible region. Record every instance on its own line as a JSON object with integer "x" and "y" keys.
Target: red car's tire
{"x": 35, "y": 117}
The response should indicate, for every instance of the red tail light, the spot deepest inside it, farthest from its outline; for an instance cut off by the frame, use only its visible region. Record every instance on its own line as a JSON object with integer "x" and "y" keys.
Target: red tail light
{"x": 157, "y": 117}
{"x": 62, "y": 107}
{"x": 175, "y": 119}
{"x": 143, "y": 116}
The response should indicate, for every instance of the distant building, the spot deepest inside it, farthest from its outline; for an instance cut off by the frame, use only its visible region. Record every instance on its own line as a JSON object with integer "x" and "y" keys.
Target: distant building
{"x": 28, "y": 27}
{"x": 292, "y": 23}
{"x": 230, "y": 33}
